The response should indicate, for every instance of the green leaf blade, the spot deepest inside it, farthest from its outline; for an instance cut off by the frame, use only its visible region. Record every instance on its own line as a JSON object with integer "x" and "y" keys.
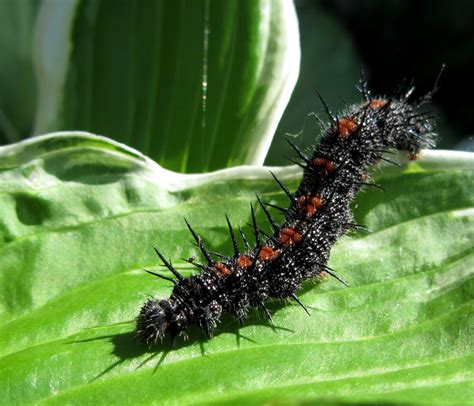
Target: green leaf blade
{"x": 209, "y": 79}
{"x": 71, "y": 283}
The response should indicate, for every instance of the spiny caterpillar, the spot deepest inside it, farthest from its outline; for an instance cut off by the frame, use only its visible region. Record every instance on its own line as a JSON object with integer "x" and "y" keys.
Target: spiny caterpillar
{"x": 318, "y": 215}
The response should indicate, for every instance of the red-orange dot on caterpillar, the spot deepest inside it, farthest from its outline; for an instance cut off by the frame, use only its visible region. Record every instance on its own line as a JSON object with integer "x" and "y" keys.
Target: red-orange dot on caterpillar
{"x": 289, "y": 236}
{"x": 316, "y": 201}
{"x": 377, "y": 103}
{"x": 324, "y": 165}
{"x": 244, "y": 261}
{"x": 267, "y": 253}
{"x": 345, "y": 127}
{"x": 310, "y": 204}
{"x": 221, "y": 270}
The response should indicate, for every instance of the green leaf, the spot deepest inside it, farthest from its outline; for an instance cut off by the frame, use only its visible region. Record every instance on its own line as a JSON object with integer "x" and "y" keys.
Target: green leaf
{"x": 17, "y": 83}
{"x": 196, "y": 85}
{"x": 80, "y": 215}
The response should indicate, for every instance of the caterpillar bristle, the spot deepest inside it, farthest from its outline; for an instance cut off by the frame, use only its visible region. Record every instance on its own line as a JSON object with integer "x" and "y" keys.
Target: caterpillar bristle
{"x": 169, "y": 265}
{"x": 283, "y": 187}
{"x": 326, "y": 108}
{"x": 297, "y": 300}
{"x": 271, "y": 220}
{"x": 232, "y": 237}
{"x": 199, "y": 243}
{"x": 166, "y": 278}
{"x": 298, "y": 151}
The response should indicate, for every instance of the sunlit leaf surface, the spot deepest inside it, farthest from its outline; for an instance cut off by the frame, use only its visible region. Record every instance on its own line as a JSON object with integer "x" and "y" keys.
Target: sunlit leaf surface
{"x": 79, "y": 216}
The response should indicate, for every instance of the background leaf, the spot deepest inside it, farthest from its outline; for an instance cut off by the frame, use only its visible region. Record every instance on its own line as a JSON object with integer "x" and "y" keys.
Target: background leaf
{"x": 136, "y": 71}
{"x": 17, "y": 84}
{"x": 81, "y": 213}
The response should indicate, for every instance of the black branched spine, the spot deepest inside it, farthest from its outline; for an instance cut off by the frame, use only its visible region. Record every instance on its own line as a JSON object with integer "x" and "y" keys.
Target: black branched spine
{"x": 318, "y": 215}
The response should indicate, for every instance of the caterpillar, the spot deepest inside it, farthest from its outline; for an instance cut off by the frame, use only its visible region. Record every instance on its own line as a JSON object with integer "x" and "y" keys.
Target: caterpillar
{"x": 318, "y": 214}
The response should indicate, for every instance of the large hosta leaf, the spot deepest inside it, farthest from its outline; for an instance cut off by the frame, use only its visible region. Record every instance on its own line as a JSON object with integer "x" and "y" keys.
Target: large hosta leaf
{"x": 79, "y": 215}
{"x": 197, "y": 85}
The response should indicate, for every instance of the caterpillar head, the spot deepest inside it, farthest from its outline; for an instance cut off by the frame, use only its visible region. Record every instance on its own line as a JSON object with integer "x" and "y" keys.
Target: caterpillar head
{"x": 156, "y": 319}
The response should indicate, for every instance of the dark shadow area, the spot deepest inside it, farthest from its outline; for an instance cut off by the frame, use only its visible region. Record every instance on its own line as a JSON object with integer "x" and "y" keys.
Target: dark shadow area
{"x": 97, "y": 169}
{"x": 30, "y": 209}
{"x": 412, "y": 39}
{"x": 127, "y": 348}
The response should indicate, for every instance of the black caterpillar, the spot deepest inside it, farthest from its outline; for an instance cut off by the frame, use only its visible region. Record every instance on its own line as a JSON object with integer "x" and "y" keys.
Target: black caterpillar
{"x": 318, "y": 215}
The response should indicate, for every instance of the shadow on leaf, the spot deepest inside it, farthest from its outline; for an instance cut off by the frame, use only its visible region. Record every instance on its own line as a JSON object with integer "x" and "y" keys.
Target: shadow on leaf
{"x": 126, "y": 347}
